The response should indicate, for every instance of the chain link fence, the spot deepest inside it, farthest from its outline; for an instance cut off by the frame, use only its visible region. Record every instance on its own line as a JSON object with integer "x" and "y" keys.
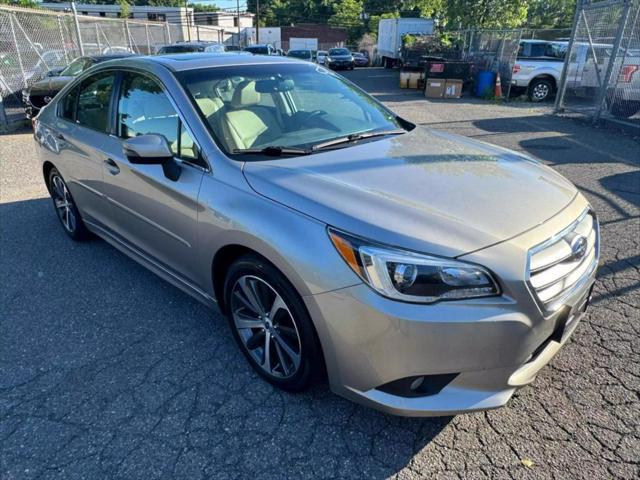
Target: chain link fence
{"x": 33, "y": 42}
{"x": 601, "y": 76}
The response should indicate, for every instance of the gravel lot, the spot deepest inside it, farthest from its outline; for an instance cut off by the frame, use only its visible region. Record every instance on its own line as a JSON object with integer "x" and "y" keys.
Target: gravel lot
{"x": 108, "y": 372}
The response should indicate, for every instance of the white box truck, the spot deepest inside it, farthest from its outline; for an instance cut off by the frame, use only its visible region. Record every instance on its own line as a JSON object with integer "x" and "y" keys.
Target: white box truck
{"x": 390, "y": 32}
{"x": 303, "y": 43}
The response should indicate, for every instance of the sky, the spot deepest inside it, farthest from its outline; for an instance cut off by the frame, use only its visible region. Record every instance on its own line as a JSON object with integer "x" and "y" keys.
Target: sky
{"x": 222, "y": 3}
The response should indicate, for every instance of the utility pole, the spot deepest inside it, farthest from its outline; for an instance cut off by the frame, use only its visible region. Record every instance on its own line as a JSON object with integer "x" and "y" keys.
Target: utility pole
{"x": 257, "y": 21}
{"x": 238, "y": 15}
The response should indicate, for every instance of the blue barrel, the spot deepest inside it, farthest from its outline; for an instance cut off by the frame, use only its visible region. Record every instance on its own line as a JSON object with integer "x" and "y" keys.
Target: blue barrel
{"x": 485, "y": 81}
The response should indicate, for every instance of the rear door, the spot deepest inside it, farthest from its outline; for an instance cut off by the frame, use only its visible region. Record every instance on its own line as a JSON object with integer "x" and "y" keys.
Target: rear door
{"x": 150, "y": 212}
{"x": 82, "y": 133}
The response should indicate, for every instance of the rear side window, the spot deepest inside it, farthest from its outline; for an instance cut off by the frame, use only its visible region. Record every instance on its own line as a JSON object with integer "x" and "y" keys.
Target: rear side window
{"x": 68, "y": 105}
{"x": 94, "y": 99}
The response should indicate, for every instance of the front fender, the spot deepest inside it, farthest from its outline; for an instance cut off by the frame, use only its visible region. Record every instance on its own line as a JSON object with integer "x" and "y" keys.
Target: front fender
{"x": 296, "y": 244}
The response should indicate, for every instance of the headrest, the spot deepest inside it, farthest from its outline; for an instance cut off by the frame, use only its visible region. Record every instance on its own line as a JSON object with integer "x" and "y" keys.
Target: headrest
{"x": 209, "y": 105}
{"x": 245, "y": 95}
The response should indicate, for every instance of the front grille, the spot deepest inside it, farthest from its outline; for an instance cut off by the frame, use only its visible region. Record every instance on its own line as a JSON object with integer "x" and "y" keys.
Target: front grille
{"x": 560, "y": 266}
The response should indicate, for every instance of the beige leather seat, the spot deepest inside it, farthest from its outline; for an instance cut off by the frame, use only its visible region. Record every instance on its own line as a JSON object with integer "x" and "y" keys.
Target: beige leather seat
{"x": 209, "y": 106}
{"x": 247, "y": 123}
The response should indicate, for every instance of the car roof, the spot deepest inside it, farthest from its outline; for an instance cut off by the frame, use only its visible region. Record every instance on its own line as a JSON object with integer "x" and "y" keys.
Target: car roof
{"x": 193, "y": 61}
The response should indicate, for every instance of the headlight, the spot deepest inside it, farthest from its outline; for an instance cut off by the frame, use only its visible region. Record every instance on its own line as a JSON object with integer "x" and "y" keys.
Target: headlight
{"x": 412, "y": 277}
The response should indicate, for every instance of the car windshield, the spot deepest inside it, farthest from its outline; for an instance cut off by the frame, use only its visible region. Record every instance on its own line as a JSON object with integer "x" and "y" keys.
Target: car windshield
{"x": 75, "y": 68}
{"x": 181, "y": 49}
{"x": 299, "y": 53}
{"x": 339, "y": 51}
{"x": 292, "y": 106}
{"x": 262, "y": 50}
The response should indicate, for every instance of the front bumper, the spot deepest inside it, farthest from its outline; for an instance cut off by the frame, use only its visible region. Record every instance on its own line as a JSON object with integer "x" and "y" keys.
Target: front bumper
{"x": 489, "y": 347}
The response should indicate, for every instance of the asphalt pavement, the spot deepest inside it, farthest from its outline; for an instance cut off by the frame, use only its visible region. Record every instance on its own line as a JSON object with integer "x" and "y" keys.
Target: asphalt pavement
{"x": 106, "y": 371}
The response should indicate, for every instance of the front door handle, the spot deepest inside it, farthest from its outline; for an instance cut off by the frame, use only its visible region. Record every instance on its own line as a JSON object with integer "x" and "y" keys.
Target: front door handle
{"x": 112, "y": 166}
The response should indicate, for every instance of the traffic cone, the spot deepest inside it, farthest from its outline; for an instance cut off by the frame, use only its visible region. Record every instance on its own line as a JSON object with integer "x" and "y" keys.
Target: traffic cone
{"x": 497, "y": 92}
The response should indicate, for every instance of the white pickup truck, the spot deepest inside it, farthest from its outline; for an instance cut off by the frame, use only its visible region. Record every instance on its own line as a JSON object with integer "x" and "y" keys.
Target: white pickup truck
{"x": 539, "y": 65}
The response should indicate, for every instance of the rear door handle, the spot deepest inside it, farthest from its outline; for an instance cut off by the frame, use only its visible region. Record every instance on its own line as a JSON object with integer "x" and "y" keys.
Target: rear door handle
{"x": 112, "y": 166}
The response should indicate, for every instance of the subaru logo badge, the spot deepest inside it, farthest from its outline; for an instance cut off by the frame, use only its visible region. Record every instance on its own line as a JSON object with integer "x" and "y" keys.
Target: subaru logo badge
{"x": 578, "y": 247}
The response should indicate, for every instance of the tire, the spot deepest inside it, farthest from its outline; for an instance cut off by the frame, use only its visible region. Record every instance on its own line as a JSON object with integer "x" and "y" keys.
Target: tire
{"x": 622, "y": 109}
{"x": 540, "y": 90}
{"x": 66, "y": 208}
{"x": 286, "y": 333}
{"x": 386, "y": 62}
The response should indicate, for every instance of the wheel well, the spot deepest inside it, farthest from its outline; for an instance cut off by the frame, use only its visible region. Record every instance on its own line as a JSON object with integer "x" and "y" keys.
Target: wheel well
{"x": 46, "y": 169}
{"x": 550, "y": 78}
{"x": 221, "y": 263}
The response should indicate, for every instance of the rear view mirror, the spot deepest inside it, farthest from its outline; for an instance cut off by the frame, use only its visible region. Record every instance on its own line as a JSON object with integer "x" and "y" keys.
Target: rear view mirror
{"x": 152, "y": 149}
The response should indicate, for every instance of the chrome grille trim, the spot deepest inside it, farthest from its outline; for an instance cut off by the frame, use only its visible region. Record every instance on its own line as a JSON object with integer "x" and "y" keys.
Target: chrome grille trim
{"x": 552, "y": 264}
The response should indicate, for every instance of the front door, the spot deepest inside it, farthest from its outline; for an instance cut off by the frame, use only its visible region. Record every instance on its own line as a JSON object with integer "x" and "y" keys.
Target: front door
{"x": 152, "y": 213}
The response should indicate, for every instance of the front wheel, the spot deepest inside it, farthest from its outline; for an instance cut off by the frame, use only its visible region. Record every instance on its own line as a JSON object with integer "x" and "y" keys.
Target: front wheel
{"x": 66, "y": 208}
{"x": 271, "y": 324}
{"x": 624, "y": 109}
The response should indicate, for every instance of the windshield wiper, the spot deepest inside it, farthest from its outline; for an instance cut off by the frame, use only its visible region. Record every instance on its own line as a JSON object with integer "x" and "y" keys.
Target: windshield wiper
{"x": 272, "y": 151}
{"x": 354, "y": 137}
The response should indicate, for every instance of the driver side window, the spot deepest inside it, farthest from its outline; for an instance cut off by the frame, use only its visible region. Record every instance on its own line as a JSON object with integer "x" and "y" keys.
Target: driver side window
{"x": 144, "y": 108}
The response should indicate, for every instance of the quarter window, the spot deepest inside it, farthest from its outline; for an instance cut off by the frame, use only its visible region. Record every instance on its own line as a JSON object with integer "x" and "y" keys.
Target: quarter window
{"x": 93, "y": 101}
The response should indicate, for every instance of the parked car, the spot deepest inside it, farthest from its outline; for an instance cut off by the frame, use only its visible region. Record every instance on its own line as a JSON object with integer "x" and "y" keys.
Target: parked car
{"x": 301, "y": 54}
{"x": 340, "y": 58}
{"x": 191, "y": 47}
{"x": 539, "y": 65}
{"x": 330, "y": 231}
{"x": 359, "y": 59}
{"x": 321, "y": 56}
{"x": 42, "y": 92}
{"x": 261, "y": 49}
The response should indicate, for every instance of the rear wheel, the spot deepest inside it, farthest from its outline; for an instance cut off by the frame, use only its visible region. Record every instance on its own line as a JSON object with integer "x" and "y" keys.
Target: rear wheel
{"x": 270, "y": 323}
{"x": 540, "y": 90}
{"x": 65, "y": 207}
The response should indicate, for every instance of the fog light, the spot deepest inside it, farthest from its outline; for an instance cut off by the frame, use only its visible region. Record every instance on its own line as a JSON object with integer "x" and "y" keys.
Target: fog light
{"x": 417, "y": 383}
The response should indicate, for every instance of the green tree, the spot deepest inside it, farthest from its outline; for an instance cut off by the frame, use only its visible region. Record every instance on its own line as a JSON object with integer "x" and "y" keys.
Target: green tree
{"x": 125, "y": 9}
{"x": 486, "y": 13}
{"x": 550, "y": 13}
{"x": 348, "y": 14}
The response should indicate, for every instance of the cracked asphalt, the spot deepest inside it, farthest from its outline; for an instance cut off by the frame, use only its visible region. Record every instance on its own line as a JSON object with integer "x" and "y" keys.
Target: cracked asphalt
{"x": 108, "y": 372}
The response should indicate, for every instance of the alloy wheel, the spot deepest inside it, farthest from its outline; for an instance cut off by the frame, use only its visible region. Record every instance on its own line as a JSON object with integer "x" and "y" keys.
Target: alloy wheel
{"x": 541, "y": 91}
{"x": 266, "y": 327}
{"x": 63, "y": 203}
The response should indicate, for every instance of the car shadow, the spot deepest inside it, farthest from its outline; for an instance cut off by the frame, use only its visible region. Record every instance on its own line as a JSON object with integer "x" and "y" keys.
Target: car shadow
{"x": 143, "y": 375}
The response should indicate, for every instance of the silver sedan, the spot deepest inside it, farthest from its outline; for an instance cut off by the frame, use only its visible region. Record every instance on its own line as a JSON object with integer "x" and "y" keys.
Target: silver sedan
{"x": 422, "y": 273}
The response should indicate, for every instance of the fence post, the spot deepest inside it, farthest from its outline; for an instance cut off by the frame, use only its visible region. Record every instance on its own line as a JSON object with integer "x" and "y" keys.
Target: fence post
{"x": 614, "y": 53}
{"x": 167, "y": 31}
{"x": 565, "y": 68}
{"x": 15, "y": 43}
{"x": 77, "y": 25}
{"x": 98, "y": 37}
{"x": 146, "y": 32}
{"x": 62, "y": 41}
{"x": 128, "y": 34}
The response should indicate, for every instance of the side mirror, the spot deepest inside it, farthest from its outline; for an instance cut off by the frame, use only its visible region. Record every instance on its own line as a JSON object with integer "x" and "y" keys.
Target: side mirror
{"x": 152, "y": 149}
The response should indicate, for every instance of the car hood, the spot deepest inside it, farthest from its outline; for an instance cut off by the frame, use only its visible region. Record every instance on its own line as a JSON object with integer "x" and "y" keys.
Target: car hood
{"x": 424, "y": 190}
{"x": 50, "y": 84}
